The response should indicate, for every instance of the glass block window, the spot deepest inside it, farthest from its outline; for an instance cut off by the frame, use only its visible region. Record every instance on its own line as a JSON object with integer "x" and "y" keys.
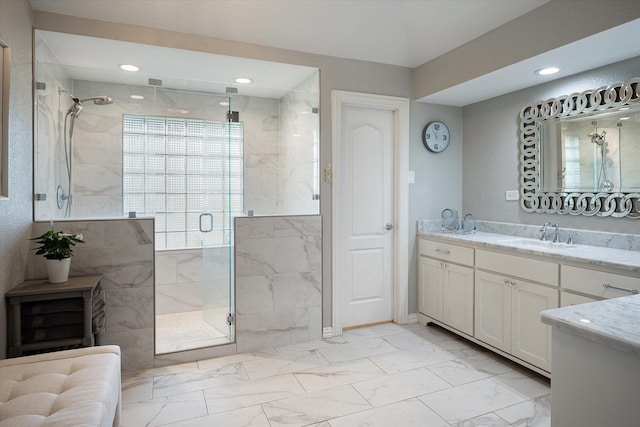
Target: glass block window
{"x": 187, "y": 173}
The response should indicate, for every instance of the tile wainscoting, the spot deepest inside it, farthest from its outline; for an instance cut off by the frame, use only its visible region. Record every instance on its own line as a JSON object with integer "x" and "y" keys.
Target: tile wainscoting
{"x": 278, "y": 282}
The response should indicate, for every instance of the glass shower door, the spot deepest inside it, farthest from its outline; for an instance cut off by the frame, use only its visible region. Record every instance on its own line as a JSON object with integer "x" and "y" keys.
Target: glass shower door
{"x": 218, "y": 309}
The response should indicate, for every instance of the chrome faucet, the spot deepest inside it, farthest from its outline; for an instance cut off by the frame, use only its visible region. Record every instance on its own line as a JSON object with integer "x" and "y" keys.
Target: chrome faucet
{"x": 556, "y": 233}
{"x": 543, "y": 231}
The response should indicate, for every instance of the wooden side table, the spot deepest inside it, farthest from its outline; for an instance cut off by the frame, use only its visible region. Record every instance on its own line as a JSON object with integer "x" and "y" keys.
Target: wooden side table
{"x": 47, "y": 316}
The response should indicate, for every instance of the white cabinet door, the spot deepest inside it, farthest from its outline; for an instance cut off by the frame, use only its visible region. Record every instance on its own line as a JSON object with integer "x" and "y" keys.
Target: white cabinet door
{"x": 430, "y": 288}
{"x": 493, "y": 310}
{"x": 458, "y": 297}
{"x": 530, "y": 338}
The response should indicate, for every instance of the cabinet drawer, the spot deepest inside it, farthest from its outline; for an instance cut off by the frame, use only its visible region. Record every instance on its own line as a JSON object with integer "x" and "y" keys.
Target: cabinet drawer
{"x": 567, "y": 298}
{"x": 518, "y": 266}
{"x": 591, "y": 282}
{"x": 446, "y": 251}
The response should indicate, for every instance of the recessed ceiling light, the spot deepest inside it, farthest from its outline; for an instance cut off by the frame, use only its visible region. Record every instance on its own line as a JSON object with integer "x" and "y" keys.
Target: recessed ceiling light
{"x": 243, "y": 80}
{"x": 136, "y": 97}
{"x": 546, "y": 71}
{"x": 224, "y": 103}
{"x": 129, "y": 67}
{"x": 625, "y": 118}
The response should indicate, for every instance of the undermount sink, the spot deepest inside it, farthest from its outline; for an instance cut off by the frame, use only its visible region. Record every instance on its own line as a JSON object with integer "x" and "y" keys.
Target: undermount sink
{"x": 541, "y": 244}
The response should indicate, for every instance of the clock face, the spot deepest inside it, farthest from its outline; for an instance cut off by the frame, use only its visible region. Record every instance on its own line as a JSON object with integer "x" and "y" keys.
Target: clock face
{"x": 435, "y": 137}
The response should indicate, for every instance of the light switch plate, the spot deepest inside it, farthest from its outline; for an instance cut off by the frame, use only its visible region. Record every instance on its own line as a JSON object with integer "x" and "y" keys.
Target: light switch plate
{"x": 511, "y": 195}
{"x": 412, "y": 177}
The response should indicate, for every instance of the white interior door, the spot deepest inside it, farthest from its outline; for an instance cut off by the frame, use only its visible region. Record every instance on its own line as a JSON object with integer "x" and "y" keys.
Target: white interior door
{"x": 366, "y": 210}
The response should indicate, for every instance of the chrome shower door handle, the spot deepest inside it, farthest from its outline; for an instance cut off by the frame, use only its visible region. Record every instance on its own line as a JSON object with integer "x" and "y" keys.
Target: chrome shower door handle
{"x": 210, "y": 222}
{"x": 388, "y": 226}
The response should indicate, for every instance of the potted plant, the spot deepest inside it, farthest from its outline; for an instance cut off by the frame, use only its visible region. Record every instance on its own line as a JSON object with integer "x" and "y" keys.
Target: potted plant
{"x": 56, "y": 248}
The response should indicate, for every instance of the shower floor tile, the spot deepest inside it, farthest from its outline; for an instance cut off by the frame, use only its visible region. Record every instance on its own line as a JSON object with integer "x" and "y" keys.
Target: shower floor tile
{"x": 186, "y": 331}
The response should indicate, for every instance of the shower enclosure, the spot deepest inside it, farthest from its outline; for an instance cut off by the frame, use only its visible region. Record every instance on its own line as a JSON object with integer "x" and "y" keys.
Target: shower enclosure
{"x": 193, "y": 152}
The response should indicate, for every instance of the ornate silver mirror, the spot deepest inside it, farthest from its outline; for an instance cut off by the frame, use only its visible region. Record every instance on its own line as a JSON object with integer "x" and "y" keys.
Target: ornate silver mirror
{"x": 580, "y": 153}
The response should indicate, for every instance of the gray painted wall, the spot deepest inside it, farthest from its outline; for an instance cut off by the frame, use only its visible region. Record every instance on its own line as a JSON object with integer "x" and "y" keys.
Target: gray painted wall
{"x": 15, "y": 212}
{"x": 490, "y": 156}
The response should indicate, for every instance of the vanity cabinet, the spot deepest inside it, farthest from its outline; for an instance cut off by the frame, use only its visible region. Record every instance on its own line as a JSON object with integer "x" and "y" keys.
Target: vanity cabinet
{"x": 493, "y": 296}
{"x": 445, "y": 290}
{"x": 508, "y": 303}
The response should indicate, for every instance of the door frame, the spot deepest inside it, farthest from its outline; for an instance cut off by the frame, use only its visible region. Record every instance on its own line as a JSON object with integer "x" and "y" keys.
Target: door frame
{"x": 400, "y": 276}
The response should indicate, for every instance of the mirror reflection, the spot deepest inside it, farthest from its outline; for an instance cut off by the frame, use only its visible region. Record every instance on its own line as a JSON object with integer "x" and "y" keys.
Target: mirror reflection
{"x": 592, "y": 153}
{"x": 175, "y": 139}
{"x": 579, "y": 153}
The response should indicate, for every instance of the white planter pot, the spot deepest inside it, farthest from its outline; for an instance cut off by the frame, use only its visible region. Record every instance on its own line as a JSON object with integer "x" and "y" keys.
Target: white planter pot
{"x": 58, "y": 270}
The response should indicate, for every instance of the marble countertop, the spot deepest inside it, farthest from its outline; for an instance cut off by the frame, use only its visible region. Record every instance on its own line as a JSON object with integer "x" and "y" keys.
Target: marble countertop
{"x": 622, "y": 259}
{"x": 613, "y": 323}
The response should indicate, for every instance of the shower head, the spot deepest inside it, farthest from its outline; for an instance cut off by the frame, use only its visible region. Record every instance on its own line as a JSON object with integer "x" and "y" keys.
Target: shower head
{"x": 77, "y": 106}
{"x": 99, "y": 100}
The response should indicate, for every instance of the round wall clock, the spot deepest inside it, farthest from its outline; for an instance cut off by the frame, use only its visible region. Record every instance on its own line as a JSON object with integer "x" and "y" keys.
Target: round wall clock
{"x": 435, "y": 137}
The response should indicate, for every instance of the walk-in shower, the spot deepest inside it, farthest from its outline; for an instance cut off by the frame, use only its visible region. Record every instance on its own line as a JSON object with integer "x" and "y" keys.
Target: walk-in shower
{"x": 184, "y": 146}
{"x": 65, "y": 200}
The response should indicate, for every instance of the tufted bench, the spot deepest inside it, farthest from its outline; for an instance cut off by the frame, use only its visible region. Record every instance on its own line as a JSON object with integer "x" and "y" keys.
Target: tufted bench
{"x": 79, "y": 387}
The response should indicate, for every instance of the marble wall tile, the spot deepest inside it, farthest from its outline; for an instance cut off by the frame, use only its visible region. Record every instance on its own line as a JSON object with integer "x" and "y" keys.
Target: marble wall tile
{"x": 278, "y": 281}
{"x": 260, "y": 331}
{"x": 180, "y": 297}
{"x": 129, "y": 232}
{"x": 297, "y": 290}
{"x": 136, "y": 347}
{"x": 129, "y": 309}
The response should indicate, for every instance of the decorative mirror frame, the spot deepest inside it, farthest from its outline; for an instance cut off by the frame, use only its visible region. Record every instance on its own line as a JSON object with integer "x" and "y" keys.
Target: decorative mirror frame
{"x": 532, "y": 197}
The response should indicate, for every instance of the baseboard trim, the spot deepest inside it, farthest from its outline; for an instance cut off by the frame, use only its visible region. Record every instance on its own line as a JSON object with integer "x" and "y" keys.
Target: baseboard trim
{"x": 327, "y": 332}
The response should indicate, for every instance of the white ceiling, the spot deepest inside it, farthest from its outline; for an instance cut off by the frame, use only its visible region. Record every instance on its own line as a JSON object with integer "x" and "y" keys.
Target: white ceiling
{"x": 399, "y": 32}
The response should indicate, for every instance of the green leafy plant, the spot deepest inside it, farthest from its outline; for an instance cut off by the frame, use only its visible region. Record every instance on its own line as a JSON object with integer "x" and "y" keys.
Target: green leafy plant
{"x": 57, "y": 244}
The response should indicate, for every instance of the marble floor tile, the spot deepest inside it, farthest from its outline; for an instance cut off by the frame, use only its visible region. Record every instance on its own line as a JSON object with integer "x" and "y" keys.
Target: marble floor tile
{"x": 356, "y": 350}
{"x": 470, "y": 400}
{"x": 383, "y": 375}
{"x": 407, "y": 413}
{"x": 338, "y": 374}
{"x": 532, "y": 413}
{"x": 405, "y": 360}
{"x": 252, "y": 416}
{"x": 164, "y": 410}
{"x": 405, "y": 385}
{"x": 529, "y": 386}
{"x": 236, "y": 396}
{"x": 487, "y": 420}
{"x": 167, "y": 385}
{"x": 137, "y": 389}
{"x": 315, "y": 407}
{"x": 376, "y": 331}
{"x": 458, "y": 372}
{"x": 268, "y": 366}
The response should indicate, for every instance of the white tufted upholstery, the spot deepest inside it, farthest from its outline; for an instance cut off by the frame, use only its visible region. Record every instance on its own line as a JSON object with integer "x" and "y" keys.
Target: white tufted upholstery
{"x": 76, "y": 388}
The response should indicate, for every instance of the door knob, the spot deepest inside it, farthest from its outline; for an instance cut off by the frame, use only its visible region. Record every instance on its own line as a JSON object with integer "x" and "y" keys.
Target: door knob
{"x": 388, "y": 226}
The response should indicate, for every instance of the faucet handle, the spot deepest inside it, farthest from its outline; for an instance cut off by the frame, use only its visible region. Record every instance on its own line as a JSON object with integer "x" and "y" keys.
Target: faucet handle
{"x": 570, "y": 241}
